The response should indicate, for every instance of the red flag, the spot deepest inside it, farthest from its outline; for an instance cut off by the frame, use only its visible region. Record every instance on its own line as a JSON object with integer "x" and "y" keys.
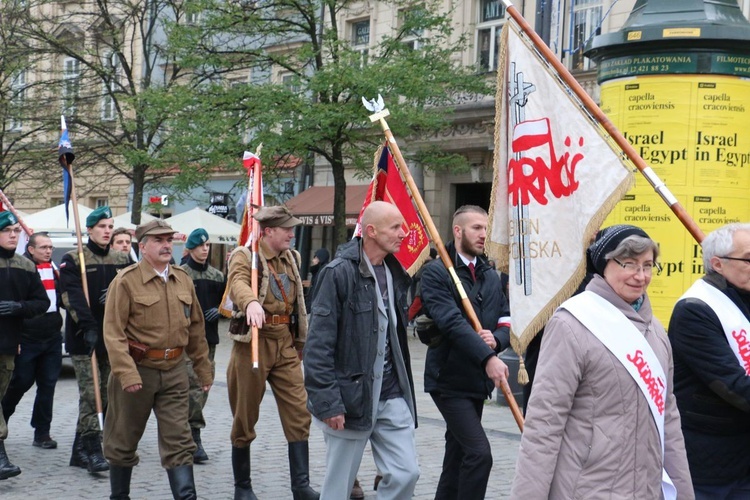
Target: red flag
{"x": 249, "y": 230}
{"x": 387, "y": 185}
{"x": 253, "y": 197}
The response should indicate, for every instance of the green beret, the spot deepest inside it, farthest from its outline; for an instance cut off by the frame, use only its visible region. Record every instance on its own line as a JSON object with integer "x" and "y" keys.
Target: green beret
{"x": 7, "y": 219}
{"x": 278, "y": 216}
{"x": 196, "y": 238}
{"x": 97, "y": 215}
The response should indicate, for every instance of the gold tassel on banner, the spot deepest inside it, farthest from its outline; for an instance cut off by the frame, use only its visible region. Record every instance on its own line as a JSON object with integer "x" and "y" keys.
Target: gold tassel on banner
{"x": 523, "y": 375}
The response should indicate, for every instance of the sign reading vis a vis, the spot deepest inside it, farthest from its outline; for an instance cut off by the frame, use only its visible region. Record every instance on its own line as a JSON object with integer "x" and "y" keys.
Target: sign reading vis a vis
{"x": 324, "y": 220}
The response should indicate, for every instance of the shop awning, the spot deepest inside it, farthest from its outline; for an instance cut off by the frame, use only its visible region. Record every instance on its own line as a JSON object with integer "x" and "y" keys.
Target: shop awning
{"x": 314, "y": 206}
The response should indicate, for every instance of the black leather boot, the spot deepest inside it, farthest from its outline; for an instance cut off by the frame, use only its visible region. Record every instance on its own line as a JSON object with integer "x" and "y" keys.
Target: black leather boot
{"x": 96, "y": 461}
{"x": 7, "y": 469}
{"x": 243, "y": 486}
{"x": 299, "y": 470}
{"x": 119, "y": 482}
{"x": 199, "y": 456}
{"x": 79, "y": 458}
{"x": 182, "y": 483}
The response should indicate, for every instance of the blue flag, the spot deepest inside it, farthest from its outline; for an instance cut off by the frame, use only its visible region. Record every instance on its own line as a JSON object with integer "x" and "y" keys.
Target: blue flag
{"x": 66, "y": 157}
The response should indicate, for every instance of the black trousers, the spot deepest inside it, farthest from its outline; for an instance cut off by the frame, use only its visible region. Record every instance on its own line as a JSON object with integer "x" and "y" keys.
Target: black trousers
{"x": 40, "y": 363}
{"x": 468, "y": 456}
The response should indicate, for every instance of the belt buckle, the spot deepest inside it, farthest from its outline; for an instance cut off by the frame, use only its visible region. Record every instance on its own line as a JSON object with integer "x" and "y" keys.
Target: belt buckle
{"x": 275, "y": 319}
{"x": 167, "y": 353}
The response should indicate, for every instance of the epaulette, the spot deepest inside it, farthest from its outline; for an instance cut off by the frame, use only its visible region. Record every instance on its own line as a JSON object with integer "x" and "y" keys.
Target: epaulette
{"x": 181, "y": 270}
{"x": 128, "y": 269}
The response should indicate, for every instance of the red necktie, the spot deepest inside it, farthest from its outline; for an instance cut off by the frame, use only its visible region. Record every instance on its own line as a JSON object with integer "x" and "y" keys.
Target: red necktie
{"x": 471, "y": 269}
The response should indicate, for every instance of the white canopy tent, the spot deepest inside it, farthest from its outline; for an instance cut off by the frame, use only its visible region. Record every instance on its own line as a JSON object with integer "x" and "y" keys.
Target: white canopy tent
{"x": 53, "y": 219}
{"x": 123, "y": 220}
{"x": 220, "y": 231}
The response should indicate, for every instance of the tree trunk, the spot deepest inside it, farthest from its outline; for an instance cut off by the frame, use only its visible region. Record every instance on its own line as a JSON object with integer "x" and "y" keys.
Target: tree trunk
{"x": 339, "y": 198}
{"x": 139, "y": 180}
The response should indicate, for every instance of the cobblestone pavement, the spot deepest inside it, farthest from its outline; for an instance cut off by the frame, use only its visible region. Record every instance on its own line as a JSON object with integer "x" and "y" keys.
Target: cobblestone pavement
{"x": 46, "y": 474}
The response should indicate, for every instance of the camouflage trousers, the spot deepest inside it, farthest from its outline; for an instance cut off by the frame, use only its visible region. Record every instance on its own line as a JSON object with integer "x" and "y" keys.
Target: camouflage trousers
{"x": 198, "y": 398}
{"x": 88, "y": 421}
{"x": 7, "y": 362}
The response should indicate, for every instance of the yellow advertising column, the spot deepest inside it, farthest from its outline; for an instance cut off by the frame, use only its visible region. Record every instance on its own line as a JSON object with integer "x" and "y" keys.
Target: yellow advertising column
{"x": 687, "y": 112}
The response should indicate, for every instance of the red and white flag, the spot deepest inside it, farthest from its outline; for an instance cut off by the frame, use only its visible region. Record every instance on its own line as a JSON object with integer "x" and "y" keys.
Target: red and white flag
{"x": 387, "y": 185}
{"x": 249, "y": 229}
{"x": 253, "y": 197}
{"x": 557, "y": 176}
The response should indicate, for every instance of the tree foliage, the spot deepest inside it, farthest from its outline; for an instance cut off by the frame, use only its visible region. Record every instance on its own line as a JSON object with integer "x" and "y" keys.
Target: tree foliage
{"x": 297, "y": 80}
{"x": 107, "y": 67}
{"x": 22, "y": 118}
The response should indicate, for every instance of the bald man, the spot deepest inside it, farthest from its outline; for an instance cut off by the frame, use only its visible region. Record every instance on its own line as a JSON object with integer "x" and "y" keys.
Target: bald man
{"x": 357, "y": 366}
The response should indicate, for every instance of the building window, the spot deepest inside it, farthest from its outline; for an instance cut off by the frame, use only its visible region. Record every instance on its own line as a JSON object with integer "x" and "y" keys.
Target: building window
{"x": 412, "y": 26}
{"x": 112, "y": 66}
{"x": 71, "y": 84}
{"x": 193, "y": 18}
{"x": 587, "y": 15}
{"x": 361, "y": 39}
{"x": 291, "y": 83}
{"x": 100, "y": 202}
{"x": 18, "y": 96}
{"x": 489, "y": 28}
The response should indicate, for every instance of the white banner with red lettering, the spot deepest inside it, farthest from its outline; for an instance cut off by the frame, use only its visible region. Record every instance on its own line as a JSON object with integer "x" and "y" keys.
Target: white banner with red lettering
{"x": 735, "y": 324}
{"x": 631, "y": 349}
{"x": 556, "y": 178}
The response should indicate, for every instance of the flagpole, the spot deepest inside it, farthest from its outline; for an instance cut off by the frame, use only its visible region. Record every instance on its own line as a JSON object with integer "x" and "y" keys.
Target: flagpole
{"x": 253, "y": 198}
{"x": 651, "y": 176}
{"x": 6, "y": 202}
{"x": 84, "y": 282}
{"x": 379, "y": 116}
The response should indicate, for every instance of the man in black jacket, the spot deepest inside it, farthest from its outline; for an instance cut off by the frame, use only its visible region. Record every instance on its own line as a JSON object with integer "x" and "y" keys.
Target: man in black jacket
{"x": 22, "y": 296}
{"x": 357, "y": 365}
{"x": 709, "y": 331}
{"x": 40, "y": 358}
{"x": 462, "y": 366}
{"x": 83, "y": 330}
{"x": 209, "y": 287}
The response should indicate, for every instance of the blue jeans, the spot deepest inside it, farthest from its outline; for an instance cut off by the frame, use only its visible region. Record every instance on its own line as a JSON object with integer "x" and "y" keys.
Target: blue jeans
{"x": 40, "y": 363}
{"x": 736, "y": 490}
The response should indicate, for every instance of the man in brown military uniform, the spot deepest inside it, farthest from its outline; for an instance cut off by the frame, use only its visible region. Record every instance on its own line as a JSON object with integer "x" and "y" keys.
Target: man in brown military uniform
{"x": 278, "y": 310}
{"x": 154, "y": 304}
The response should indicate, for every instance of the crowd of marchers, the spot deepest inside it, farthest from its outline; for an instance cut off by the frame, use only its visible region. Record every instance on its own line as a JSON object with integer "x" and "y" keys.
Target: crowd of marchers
{"x": 620, "y": 407}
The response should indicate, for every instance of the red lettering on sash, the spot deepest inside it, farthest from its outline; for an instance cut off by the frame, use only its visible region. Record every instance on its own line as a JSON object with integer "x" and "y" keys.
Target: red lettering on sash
{"x": 743, "y": 346}
{"x": 655, "y": 385}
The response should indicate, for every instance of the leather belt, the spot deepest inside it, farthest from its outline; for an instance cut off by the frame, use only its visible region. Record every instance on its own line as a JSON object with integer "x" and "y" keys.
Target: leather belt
{"x": 164, "y": 353}
{"x": 277, "y": 319}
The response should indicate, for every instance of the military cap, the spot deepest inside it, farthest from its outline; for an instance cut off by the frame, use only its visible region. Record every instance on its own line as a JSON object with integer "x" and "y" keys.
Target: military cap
{"x": 7, "y": 219}
{"x": 278, "y": 216}
{"x": 97, "y": 215}
{"x": 196, "y": 238}
{"x": 153, "y": 228}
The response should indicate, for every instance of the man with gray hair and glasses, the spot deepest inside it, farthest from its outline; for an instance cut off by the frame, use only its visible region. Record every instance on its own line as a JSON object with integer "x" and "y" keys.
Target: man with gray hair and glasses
{"x": 710, "y": 336}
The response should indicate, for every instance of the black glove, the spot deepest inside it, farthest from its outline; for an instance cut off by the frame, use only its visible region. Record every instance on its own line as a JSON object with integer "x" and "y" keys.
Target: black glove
{"x": 211, "y": 315}
{"x": 10, "y": 308}
{"x": 103, "y": 296}
{"x": 89, "y": 339}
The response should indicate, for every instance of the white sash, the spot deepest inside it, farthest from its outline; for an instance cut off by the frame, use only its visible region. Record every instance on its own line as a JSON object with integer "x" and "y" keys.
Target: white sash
{"x": 735, "y": 324}
{"x": 629, "y": 346}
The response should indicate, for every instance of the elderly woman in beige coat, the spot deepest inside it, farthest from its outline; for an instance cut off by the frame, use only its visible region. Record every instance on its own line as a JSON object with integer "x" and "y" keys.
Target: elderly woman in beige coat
{"x": 602, "y": 422}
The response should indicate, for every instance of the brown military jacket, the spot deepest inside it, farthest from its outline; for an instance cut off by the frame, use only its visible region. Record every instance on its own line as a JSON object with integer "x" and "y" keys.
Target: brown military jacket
{"x": 142, "y": 307}
{"x": 242, "y": 294}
